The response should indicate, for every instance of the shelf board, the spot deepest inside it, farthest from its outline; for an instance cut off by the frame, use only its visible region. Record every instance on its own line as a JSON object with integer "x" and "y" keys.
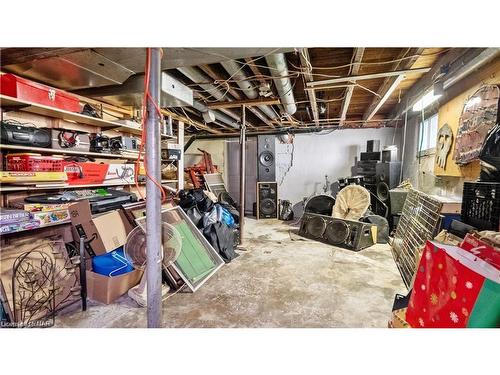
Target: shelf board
{"x": 11, "y": 188}
{"x": 14, "y": 104}
{"x": 63, "y": 151}
{"x": 40, "y": 227}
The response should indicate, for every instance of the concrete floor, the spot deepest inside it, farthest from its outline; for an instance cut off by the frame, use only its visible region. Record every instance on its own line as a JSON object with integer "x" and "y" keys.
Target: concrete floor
{"x": 275, "y": 282}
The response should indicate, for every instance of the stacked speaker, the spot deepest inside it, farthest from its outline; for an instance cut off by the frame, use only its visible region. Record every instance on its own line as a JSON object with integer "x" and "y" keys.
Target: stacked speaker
{"x": 267, "y": 188}
{"x": 349, "y": 234}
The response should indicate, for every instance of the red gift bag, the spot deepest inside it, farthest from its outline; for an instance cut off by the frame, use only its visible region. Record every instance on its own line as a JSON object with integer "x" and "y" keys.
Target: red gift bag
{"x": 453, "y": 288}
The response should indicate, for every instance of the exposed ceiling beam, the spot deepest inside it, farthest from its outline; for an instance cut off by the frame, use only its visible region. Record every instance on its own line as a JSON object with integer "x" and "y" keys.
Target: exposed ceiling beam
{"x": 357, "y": 57}
{"x": 384, "y": 98}
{"x": 256, "y": 71}
{"x": 305, "y": 62}
{"x": 389, "y": 85}
{"x": 247, "y": 102}
{"x": 366, "y": 76}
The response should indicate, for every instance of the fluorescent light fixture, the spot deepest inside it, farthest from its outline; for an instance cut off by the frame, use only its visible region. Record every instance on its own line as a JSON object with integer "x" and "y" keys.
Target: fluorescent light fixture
{"x": 427, "y": 99}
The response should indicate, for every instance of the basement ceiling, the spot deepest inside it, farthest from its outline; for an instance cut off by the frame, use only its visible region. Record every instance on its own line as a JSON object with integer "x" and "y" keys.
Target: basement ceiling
{"x": 350, "y": 103}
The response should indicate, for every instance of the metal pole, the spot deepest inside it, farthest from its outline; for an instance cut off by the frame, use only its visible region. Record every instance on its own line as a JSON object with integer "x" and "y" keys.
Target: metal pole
{"x": 153, "y": 195}
{"x": 243, "y": 158}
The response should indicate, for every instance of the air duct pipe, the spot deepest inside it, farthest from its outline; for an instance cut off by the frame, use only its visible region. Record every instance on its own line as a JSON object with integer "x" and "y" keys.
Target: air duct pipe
{"x": 197, "y": 77}
{"x": 279, "y": 70}
{"x": 200, "y": 107}
{"x": 237, "y": 74}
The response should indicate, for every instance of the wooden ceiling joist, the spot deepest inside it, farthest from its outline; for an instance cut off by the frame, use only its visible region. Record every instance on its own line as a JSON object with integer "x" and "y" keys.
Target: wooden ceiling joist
{"x": 305, "y": 63}
{"x": 390, "y": 83}
{"x": 318, "y": 84}
{"x": 357, "y": 57}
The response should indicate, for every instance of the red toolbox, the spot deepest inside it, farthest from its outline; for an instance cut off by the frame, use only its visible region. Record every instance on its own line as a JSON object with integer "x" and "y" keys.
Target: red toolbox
{"x": 25, "y": 89}
{"x": 27, "y": 162}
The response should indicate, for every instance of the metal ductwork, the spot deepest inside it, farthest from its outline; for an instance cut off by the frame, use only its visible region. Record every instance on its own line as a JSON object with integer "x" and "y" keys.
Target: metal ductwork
{"x": 200, "y": 107}
{"x": 279, "y": 70}
{"x": 238, "y": 75}
{"x": 198, "y": 77}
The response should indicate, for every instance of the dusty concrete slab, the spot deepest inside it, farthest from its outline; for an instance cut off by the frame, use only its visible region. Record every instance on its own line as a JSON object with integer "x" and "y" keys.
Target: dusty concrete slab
{"x": 275, "y": 282}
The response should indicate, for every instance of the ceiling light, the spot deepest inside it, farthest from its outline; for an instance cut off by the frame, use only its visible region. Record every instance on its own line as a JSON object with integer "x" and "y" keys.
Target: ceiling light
{"x": 427, "y": 99}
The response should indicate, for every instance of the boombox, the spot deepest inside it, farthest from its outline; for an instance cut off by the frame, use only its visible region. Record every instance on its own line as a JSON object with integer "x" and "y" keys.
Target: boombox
{"x": 70, "y": 140}
{"x": 349, "y": 234}
{"x": 13, "y": 134}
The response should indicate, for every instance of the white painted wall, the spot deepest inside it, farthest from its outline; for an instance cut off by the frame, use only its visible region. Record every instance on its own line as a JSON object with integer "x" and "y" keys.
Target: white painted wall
{"x": 315, "y": 156}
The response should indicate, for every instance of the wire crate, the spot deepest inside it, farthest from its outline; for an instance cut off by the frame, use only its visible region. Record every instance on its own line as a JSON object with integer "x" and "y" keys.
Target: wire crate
{"x": 481, "y": 205}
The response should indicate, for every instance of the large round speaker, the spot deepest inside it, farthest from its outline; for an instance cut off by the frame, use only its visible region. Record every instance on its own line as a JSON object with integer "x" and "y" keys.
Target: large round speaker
{"x": 266, "y": 158}
{"x": 316, "y": 226}
{"x": 337, "y": 232}
{"x": 383, "y": 191}
{"x": 267, "y": 206}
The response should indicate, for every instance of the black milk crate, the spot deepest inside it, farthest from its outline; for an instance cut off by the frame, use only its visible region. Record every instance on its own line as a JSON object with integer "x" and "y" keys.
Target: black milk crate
{"x": 481, "y": 205}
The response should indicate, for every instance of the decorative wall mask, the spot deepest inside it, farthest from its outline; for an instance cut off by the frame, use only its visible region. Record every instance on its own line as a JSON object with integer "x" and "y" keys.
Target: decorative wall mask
{"x": 444, "y": 140}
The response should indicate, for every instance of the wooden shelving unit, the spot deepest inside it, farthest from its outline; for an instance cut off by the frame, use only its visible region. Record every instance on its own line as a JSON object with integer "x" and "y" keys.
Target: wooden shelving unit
{"x": 63, "y": 152}
{"x": 8, "y": 103}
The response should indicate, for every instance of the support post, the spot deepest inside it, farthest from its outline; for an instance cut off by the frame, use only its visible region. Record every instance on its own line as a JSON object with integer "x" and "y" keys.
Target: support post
{"x": 242, "y": 172}
{"x": 153, "y": 195}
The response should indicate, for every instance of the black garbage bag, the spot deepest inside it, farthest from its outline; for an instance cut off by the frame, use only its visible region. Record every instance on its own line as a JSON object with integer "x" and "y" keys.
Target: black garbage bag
{"x": 286, "y": 212}
{"x": 221, "y": 237}
{"x": 195, "y": 197}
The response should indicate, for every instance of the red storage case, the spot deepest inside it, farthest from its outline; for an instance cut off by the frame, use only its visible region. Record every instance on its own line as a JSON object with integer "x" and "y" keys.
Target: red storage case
{"x": 26, "y": 162}
{"x": 25, "y": 89}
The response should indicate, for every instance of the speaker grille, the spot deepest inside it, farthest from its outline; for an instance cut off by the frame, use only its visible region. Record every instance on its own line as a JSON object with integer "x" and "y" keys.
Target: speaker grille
{"x": 316, "y": 226}
{"x": 267, "y": 206}
{"x": 337, "y": 232}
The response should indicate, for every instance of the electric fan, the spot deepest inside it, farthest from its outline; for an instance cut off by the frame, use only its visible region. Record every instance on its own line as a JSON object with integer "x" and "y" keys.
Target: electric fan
{"x": 135, "y": 252}
{"x": 351, "y": 202}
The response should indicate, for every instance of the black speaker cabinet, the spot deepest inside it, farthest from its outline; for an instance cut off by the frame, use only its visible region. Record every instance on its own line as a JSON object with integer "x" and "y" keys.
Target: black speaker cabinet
{"x": 349, "y": 234}
{"x": 266, "y": 158}
{"x": 373, "y": 145}
{"x": 387, "y": 178}
{"x": 267, "y": 200}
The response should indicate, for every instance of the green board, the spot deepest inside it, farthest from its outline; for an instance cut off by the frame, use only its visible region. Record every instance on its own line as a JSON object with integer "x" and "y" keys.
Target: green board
{"x": 194, "y": 261}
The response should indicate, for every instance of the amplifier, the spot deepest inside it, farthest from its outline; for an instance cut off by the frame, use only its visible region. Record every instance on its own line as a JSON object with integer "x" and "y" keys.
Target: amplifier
{"x": 116, "y": 144}
{"x": 172, "y": 151}
{"x": 349, "y": 234}
{"x": 70, "y": 140}
{"x": 267, "y": 200}
{"x": 17, "y": 134}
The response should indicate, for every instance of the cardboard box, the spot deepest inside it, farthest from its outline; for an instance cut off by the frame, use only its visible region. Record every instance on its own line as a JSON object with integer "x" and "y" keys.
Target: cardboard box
{"x": 109, "y": 231}
{"x": 399, "y": 319}
{"x": 107, "y": 289}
